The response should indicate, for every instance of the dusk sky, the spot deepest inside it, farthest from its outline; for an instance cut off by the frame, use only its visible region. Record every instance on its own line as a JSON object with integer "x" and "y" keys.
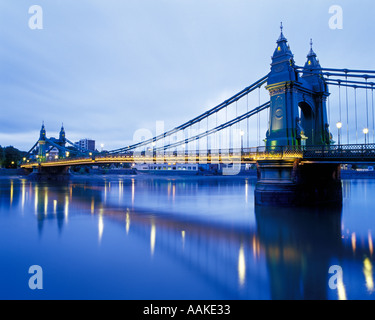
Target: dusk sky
{"x": 108, "y": 68}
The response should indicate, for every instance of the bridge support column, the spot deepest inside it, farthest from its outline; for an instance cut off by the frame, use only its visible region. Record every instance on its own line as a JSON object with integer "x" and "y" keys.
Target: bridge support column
{"x": 294, "y": 183}
{"x": 50, "y": 173}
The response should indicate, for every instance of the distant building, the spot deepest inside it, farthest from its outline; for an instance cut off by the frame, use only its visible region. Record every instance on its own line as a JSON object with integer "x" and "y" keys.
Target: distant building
{"x": 85, "y": 145}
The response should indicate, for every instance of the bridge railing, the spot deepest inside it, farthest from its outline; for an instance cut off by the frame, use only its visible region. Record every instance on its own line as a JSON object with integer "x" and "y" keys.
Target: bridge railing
{"x": 278, "y": 152}
{"x": 321, "y": 152}
{"x": 340, "y": 152}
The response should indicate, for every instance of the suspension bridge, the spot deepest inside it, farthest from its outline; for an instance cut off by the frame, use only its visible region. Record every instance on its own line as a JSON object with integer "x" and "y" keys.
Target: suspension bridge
{"x": 298, "y": 161}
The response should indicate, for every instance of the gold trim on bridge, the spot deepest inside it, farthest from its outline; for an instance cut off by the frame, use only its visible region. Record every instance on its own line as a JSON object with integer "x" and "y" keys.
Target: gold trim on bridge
{"x": 213, "y": 158}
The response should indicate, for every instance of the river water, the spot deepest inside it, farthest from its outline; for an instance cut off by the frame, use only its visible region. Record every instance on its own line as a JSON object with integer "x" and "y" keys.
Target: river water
{"x": 153, "y": 237}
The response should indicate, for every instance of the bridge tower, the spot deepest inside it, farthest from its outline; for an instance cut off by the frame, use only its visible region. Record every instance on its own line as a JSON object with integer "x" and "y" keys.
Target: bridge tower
{"x": 298, "y": 112}
{"x": 298, "y": 116}
{"x": 42, "y": 143}
{"x": 62, "y": 141}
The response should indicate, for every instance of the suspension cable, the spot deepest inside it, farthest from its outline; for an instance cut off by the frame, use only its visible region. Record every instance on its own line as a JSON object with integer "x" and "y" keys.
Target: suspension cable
{"x": 339, "y": 101}
{"x": 347, "y": 113}
{"x": 220, "y": 127}
{"x": 329, "y": 110}
{"x": 219, "y": 107}
{"x": 356, "y": 122}
{"x": 247, "y": 121}
{"x": 366, "y": 108}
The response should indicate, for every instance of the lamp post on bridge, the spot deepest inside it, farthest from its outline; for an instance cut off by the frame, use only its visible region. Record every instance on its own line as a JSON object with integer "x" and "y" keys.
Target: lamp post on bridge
{"x": 365, "y": 131}
{"x": 339, "y": 126}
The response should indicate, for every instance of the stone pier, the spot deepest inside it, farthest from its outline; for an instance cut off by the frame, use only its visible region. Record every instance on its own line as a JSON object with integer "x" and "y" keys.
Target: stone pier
{"x": 297, "y": 183}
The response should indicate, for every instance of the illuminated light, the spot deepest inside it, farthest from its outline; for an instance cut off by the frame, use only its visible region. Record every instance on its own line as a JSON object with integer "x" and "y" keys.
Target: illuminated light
{"x": 133, "y": 191}
{"x": 66, "y": 208}
{"x": 54, "y": 206}
{"x": 370, "y": 245}
{"x": 278, "y": 48}
{"x": 56, "y": 157}
{"x": 100, "y": 226}
{"x": 11, "y": 192}
{"x": 309, "y": 63}
{"x": 36, "y": 199}
{"x": 45, "y": 201}
{"x": 92, "y": 205}
{"x": 183, "y": 234}
{"x": 254, "y": 247}
{"x": 367, "y": 270}
{"x": 339, "y": 125}
{"x": 127, "y": 225}
{"x": 365, "y": 131}
{"x": 241, "y": 266}
{"x": 341, "y": 289}
{"x": 23, "y": 194}
{"x": 152, "y": 238}
{"x": 353, "y": 242}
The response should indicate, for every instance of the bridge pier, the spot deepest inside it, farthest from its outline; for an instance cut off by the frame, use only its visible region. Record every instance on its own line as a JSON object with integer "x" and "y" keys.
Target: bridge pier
{"x": 292, "y": 183}
{"x": 50, "y": 174}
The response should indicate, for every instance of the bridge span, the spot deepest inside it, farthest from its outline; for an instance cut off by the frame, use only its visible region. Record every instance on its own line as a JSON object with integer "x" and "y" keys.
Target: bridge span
{"x": 325, "y": 153}
{"x": 299, "y": 162}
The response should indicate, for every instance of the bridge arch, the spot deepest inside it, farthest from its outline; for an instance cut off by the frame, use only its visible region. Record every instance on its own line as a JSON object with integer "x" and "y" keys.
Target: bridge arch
{"x": 305, "y": 123}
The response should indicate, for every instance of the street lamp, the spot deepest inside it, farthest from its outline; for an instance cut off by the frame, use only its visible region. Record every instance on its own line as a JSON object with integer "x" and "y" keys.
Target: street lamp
{"x": 339, "y": 126}
{"x": 365, "y": 131}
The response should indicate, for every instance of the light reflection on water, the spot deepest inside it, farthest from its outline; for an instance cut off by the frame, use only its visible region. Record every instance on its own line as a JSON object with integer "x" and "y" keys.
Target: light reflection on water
{"x": 136, "y": 237}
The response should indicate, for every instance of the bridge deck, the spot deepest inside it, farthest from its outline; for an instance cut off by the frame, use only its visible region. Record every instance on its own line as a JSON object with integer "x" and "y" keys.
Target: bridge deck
{"x": 333, "y": 154}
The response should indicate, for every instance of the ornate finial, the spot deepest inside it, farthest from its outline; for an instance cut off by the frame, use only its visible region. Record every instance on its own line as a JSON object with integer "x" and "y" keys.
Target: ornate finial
{"x": 311, "y": 44}
{"x": 281, "y": 38}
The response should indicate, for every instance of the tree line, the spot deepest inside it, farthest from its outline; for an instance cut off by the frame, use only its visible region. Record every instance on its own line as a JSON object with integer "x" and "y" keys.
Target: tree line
{"x": 10, "y": 157}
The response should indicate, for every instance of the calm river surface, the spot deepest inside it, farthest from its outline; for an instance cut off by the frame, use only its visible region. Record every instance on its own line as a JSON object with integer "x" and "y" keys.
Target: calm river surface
{"x": 152, "y": 237}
